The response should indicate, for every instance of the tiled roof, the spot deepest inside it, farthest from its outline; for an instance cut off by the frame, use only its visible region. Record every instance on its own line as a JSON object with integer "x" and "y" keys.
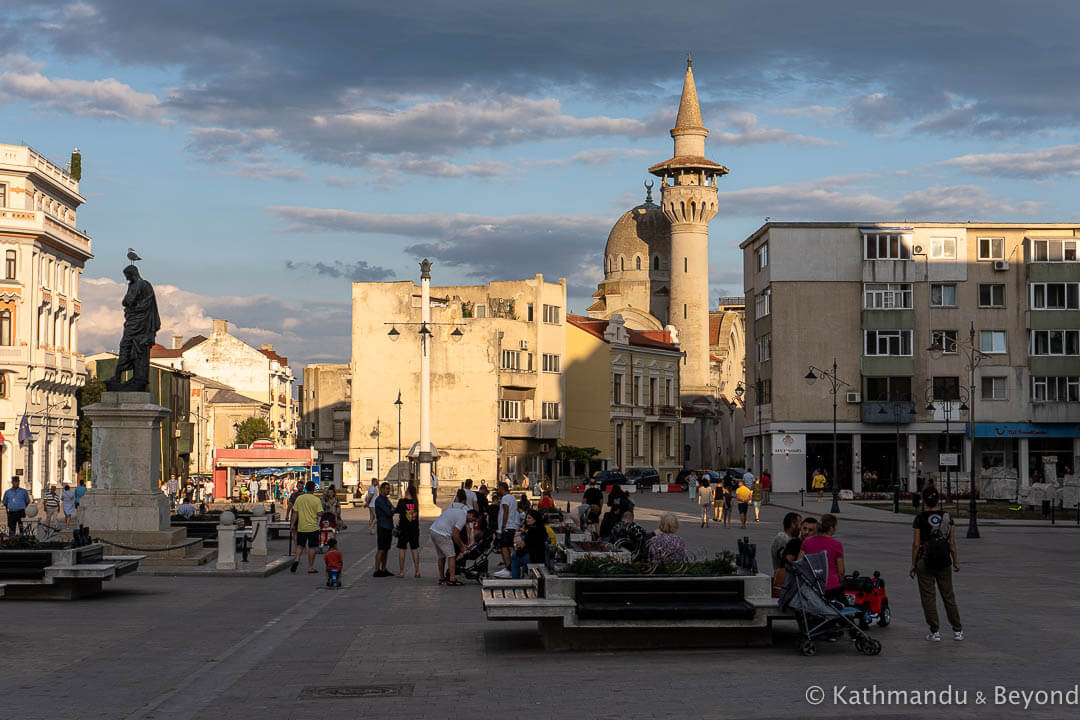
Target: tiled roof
{"x": 660, "y": 339}
{"x": 274, "y": 356}
{"x": 231, "y": 397}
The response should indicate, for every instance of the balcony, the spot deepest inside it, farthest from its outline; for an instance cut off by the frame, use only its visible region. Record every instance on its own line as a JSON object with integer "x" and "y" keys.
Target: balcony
{"x": 664, "y": 412}
{"x": 902, "y": 411}
{"x": 36, "y": 221}
{"x": 10, "y": 355}
{"x": 525, "y": 379}
{"x": 1055, "y": 412}
{"x": 548, "y": 429}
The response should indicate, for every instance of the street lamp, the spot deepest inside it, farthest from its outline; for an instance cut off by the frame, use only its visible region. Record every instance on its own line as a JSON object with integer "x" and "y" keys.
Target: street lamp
{"x": 974, "y": 356}
{"x": 813, "y": 373}
{"x": 425, "y": 333}
{"x": 398, "y": 404}
{"x": 946, "y": 405}
{"x": 375, "y": 433}
{"x": 759, "y": 455}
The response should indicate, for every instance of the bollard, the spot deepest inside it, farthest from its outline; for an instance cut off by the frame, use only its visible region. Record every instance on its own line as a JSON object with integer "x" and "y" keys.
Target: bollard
{"x": 258, "y": 524}
{"x": 226, "y": 539}
{"x": 802, "y": 498}
{"x": 896, "y": 498}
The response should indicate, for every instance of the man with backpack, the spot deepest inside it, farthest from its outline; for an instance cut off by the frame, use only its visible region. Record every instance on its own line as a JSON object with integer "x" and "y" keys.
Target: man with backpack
{"x": 933, "y": 561}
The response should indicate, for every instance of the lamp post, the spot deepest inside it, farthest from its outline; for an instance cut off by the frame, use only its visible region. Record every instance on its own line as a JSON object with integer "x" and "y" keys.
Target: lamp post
{"x": 398, "y": 404}
{"x": 946, "y": 405}
{"x": 974, "y": 357}
{"x": 756, "y": 390}
{"x": 424, "y": 458}
{"x": 813, "y": 373}
{"x": 377, "y": 434}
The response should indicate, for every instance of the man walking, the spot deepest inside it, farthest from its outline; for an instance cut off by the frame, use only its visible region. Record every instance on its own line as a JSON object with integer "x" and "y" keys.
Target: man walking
{"x": 15, "y": 501}
{"x": 384, "y": 525}
{"x": 434, "y": 488}
{"x": 173, "y": 489}
{"x": 691, "y": 487}
{"x": 818, "y": 483}
{"x": 369, "y": 503}
{"x": 509, "y": 520}
{"x": 743, "y": 495}
{"x": 307, "y": 508}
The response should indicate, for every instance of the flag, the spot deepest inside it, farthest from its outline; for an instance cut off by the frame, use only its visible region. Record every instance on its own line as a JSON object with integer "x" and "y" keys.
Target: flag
{"x": 24, "y": 430}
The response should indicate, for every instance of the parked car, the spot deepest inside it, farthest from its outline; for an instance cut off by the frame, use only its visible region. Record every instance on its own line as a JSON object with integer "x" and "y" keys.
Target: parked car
{"x": 681, "y": 478}
{"x": 606, "y": 478}
{"x": 642, "y": 476}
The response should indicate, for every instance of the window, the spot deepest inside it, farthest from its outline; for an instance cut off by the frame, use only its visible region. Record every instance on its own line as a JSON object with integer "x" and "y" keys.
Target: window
{"x": 888, "y": 389}
{"x": 622, "y": 263}
{"x": 764, "y": 348}
{"x": 667, "y": 392}
{"x": 509, "y": 409}
{"x": 636, "y": 390}
{"x": 3, "y": 385}
{"x": 1055, "y": 389}
{"x": 637, "y": 441}
{"x": 942, "y": 294}
{"x": 369, "y": 465}
{"x": 764, "y": 392}
{"x": 992, "y": 341}
{"x": 1054, "y": 250}
{"x": 551, "y": 314}
{"x": 10, "y": 264}
{"x": 763, "y": 303}
{"x": 549, "y": 411}
{"x": 511, "y": 360}
{"x": 667, "y": 441}
{"x": 656, "y": 262}
{"x": 991, "y": 248}
{"x": 887, "y": 246}
{"x": 480, "y": 310}
{"x": 5, "y": 328}
{"x": 685, "y": 266}
{"x": 684, "y": 311}
{"x": 763, "y": 257}
{"x": 3, "y": 195}
{"x": 946, "y": 388}
{"x": 529, "y": 312}
{"x": 1055, "y": 342}
{"x": 652, "y": 391}
{"x": 637, "y": 262}
{"x": 617, "y": 389}
{"x": 888, "y": 342}
{"x": 943, "y": 248}
{"x": 945, "y": 339}
{"x": 529, "y": 362}
{"x": 1055, "y": 296}
{"x": 887, "y": 296}
{"x": 992, "y": 295}
{"x": 993, "y": 388}
{"x": 550, "y": 363}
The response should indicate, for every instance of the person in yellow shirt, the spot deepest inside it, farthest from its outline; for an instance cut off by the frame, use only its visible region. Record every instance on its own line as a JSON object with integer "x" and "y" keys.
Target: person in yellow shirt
{"x": 818, "y": 483}
{"x": 742, "y": 496}
{"x": 306, "y": 510}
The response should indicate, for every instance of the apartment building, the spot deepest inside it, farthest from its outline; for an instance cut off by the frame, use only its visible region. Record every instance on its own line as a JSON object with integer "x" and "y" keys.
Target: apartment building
{"x": 324, "y": 418}
{"x": 958, "y": 345}
{"x": 497, "y": 353}
{"x": 41, "y": 368}
{"x": 622, "y": 394}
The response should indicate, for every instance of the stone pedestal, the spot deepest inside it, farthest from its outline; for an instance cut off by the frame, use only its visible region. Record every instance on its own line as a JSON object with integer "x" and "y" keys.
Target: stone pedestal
{"x": 258, "y": 525}
{"x": 226, "y": 542}
{"x": 126, "y": 504}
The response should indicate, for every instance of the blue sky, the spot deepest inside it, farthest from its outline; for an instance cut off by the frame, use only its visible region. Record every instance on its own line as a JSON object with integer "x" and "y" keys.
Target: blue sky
{"x": 260, "y": 155}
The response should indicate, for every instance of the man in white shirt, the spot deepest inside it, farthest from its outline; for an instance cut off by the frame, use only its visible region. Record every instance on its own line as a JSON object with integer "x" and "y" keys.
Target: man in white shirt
{"x": 369, "y": 502}
{"x": 208, "y": 492}
{"x": 470, "y": 495}
{"x": 509, "y": 521}
{"x": 446, "y": 536}
{"x": 253, "y": 491}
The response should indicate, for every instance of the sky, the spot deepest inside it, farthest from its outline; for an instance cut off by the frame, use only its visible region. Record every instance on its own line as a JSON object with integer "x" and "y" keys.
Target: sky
{"x": 261, "y": 155}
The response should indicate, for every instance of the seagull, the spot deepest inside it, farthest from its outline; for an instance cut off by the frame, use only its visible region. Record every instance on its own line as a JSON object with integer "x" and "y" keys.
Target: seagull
{"x": 132, "y": 256}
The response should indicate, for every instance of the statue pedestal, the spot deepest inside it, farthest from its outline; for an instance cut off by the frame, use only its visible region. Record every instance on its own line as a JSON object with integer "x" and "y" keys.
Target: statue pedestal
{"x": 126, "y": 504}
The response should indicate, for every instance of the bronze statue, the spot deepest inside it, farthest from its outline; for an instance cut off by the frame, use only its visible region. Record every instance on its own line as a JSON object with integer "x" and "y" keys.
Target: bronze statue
{"x": 141, "y": 323}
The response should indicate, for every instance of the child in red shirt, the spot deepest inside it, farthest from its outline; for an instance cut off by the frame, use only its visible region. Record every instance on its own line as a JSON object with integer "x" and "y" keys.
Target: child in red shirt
{"x": 334, "y": 562}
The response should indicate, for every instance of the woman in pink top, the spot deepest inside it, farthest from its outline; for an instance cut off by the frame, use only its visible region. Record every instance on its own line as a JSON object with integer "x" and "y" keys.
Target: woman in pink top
{"x": 834, "y": 551}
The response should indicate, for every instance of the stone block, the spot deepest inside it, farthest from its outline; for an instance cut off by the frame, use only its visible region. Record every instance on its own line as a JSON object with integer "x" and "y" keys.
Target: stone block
{"x": 115, "y": 510}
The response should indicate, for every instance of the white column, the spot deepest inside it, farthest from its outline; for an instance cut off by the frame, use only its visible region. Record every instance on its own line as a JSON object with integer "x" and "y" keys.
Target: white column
{"x": 1022, "y": 448}
{"x": 425, "y": 387}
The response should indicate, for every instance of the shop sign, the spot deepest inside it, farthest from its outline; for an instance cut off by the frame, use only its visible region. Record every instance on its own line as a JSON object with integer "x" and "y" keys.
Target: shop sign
{"x": 1027, "y": 430}
{"x": 789, "y": 444}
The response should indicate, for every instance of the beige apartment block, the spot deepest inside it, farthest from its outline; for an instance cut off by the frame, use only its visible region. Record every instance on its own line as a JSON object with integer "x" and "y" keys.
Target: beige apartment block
{"x": 878, "y": 297}
{"x": 41, "y": 368}
{"x": 622, "y": 395}
{"x": 497, "y": 389}
{"x": 325, "y": 418}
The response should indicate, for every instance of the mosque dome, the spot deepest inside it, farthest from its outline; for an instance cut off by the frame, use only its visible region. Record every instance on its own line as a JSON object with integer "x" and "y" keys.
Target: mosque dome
{"x": 643, "y": 232}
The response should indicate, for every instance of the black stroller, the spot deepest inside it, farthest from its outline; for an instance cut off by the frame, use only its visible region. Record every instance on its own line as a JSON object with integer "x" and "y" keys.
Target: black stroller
{"x": 474, "y": 564}
{"x": 804, "y": 594}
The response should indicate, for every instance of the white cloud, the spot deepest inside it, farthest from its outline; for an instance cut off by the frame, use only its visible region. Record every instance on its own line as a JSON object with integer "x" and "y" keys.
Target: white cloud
{"x": 817, "y": 112}
{"x": 103, "y": 98}
{"x": 747, "y": 131}
{"x": 1031, "y": 164}
{"x": 256, "y": 319}
{"x": 597, "y": 157}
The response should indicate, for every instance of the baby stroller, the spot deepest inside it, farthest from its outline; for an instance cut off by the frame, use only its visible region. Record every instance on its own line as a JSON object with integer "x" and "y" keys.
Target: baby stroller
{"x": 474, "y": 565}
{"x": 804, "y": 593}
{"x": 327, "y": 530}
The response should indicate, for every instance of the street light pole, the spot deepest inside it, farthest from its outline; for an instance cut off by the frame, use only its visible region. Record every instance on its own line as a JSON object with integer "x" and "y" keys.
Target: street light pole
{"x": 973, "y": 522}
{"x": 834, "y": 387}
{"x": 398, "y": 404}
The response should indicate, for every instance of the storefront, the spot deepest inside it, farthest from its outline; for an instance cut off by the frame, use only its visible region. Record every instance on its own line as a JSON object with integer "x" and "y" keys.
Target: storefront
{"x": 236, "y": 467}
{"x": 1043, "y": 451}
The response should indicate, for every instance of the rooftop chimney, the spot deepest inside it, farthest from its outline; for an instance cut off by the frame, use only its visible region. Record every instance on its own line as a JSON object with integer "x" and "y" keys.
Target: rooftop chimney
{"x": 267, "y": 348}
{"x": 221, "y": 327}
{"x": 177, "y": 342}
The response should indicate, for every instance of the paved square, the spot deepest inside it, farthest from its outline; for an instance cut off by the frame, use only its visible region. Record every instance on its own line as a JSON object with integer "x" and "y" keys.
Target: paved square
{"x": 287, "y": 647}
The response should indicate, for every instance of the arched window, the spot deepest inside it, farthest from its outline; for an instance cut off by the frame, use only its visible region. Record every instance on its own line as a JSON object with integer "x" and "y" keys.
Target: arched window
{"x": 622, "y": 263}
{"x": 656, "y": 262}
{"x": 637, "y": 262}
{"x": 5, "y": 327}
{"x": 3, "y": 385}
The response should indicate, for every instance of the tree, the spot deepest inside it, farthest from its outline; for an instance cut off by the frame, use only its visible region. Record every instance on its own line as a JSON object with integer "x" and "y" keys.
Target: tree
{"x": 252, "y": 429}
{"x": 88, "y": 394}
{"x": 575, "y": 455}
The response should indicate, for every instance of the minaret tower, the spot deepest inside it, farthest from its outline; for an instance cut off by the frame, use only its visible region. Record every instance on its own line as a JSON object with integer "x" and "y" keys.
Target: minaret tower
{"x": 688, "y": 194}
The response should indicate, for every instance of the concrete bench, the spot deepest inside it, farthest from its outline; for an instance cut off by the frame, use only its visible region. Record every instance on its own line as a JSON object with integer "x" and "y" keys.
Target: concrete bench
{"x": 62, "y": 574}
{"x": 519, "y": 600}
{"x": 275, "y": 528}
{"x": 667, "y": 598}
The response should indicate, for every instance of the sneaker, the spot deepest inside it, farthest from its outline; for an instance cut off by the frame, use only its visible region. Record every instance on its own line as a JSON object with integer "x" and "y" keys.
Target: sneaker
{"x": 958, "y": 635}
{"x": 503, "y": 574}
{"x": 934, "y": 637}
{"x": 295, "y": 564}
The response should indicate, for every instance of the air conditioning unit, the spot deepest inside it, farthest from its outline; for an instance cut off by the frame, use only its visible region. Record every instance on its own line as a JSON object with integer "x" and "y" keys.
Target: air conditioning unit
{"x": 854, "y": 397}
{"x": 1001, "y": 265}
{"x": 524, "y": 344}
{"x": 918, "y": 249}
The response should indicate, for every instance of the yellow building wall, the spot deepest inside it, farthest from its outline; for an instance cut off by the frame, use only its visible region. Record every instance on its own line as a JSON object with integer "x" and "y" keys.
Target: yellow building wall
{"x": 588, "y": 392}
